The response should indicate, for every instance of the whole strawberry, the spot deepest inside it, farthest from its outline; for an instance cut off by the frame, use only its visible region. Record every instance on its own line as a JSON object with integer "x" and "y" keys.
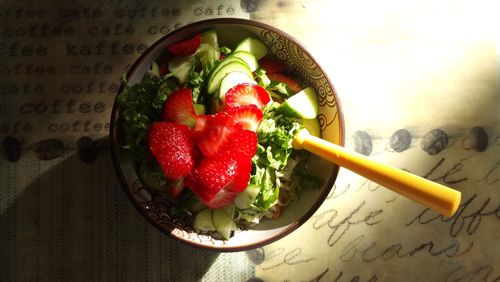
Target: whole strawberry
{"x": 242, "y": 140}
{"x": 171, "y": 145}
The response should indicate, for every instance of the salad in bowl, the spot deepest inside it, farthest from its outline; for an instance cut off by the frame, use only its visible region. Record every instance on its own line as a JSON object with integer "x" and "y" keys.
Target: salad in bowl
{"x": 202, "y": 134}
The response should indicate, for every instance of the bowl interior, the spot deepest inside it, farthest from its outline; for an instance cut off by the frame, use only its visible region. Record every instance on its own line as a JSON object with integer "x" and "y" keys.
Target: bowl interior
{"x": 230, "y": 31}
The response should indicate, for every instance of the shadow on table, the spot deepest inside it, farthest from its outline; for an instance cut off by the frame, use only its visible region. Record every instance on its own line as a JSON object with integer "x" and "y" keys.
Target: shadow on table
{"x": 74, "y": 222}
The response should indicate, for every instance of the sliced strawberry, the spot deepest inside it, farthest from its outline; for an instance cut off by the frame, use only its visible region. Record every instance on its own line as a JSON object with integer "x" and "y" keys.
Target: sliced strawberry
{"x": 217, "y": 180}
{"x": 291, "y": 83}
{"x": 186, "y": 47}
{"x": 215, "y": 132}
{"x": 249, "y": 116}
{"x": 242, "y": 140}
{"x": 271, "y": 65}
{"x": 200, "y": 125}
{"x": 223, "y": 198}
{"x": 172, "y": 148}
{"x": 179, "y": 107}
{"x": 245, "y": 94}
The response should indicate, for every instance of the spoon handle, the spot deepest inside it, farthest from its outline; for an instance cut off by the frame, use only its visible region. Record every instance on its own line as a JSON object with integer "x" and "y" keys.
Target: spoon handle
{"x": 428, "y": 193}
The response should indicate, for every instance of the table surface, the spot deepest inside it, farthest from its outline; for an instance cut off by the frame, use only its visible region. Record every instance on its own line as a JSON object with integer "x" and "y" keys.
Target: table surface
{"x": 426, "y": 72}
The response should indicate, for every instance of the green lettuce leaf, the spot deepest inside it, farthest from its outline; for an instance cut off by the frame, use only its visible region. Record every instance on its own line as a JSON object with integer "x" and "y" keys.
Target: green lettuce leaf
{"x": 141, "y": 104}
{"x": 275, "y": 135}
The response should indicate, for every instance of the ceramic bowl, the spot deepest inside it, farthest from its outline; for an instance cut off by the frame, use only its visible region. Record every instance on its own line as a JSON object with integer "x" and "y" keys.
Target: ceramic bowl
{"x": 154, "y": 206}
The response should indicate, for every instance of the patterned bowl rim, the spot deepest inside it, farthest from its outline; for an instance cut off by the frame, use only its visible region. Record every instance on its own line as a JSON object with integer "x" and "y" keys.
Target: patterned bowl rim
{"x": 115, "y": 152}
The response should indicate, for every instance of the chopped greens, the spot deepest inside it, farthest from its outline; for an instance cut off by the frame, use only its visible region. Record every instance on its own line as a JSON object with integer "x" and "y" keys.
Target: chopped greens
{"x": 275, "y": 135}
{"x": 140, "y": 105}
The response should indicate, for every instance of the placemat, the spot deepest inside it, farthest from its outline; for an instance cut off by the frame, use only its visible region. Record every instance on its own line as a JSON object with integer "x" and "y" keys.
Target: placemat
{"x": 63, "y": 215}
{"x": 66, "y": 220}
{"x": 419, "y": 86}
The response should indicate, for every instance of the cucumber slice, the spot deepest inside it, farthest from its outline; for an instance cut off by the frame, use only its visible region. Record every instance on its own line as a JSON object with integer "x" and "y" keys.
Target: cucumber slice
{"x": 312, "y": 125}
{"x": 230, "y": 210}
{"x": 210, "y": 37}
{"x": 235, "y": 64}
{"x": 303, "y": 104}
{"x": 226, "y": 61}
{"x": 232, "y": 79}
{"x": 223, "y": 222}
{"x": 248, "y": 58}
{"x": 247, "y": 197}
{"x": 254, "y": 46}
{"x": 180, "y": 67}
{"x": 203, "y": 221}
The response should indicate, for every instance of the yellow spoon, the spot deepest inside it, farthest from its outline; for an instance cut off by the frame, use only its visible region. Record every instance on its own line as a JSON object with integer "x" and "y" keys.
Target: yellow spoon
{"x": 428, "y": 193}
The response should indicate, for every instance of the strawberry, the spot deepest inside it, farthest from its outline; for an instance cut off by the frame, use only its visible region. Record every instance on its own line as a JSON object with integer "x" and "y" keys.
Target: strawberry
{"x": 179, "y": 107}
{"x": 291, "y": 83}
{"x": 217, "y": 180}
{"x": 227, "y": 131}
{"x": 212, "y": 131}
{"x": 245, "y": 94}
{"x": 242, "y": 140}
{"x": 200, "y": 125}
{"x": 223, "y": 198}
{"x": 271, "y": 65}
{"x": 186, "y": 47}
{"x": 172, "y": 148}
{"x": 249, "y": 116}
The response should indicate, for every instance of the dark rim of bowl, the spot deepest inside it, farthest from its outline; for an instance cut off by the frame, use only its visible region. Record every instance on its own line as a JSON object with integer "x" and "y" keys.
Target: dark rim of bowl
{"x": 115, "y": 146}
